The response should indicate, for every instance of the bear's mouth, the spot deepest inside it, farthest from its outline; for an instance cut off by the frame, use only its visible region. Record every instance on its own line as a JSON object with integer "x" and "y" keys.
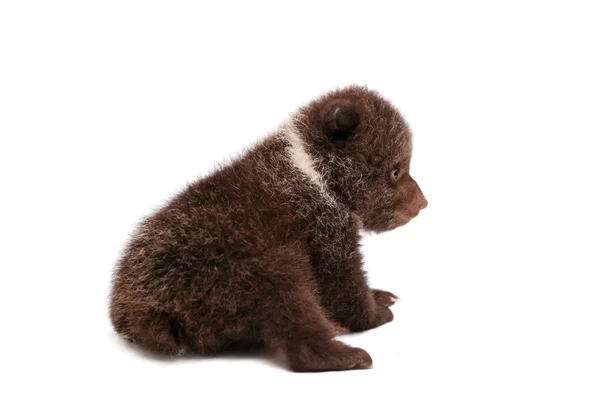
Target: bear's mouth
{"x": 401, "y": 219}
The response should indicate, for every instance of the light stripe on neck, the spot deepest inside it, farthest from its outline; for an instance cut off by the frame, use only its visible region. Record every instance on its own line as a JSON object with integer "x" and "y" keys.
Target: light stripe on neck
{"x": 303, "y": 161}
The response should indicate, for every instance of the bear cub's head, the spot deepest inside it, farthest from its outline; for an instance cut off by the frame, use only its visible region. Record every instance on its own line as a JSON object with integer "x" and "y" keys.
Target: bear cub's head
{"x": 362, "y": 147}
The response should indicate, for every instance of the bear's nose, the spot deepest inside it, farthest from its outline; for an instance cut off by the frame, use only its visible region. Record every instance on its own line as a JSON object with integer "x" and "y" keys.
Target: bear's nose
{"x": 424, "y": 204}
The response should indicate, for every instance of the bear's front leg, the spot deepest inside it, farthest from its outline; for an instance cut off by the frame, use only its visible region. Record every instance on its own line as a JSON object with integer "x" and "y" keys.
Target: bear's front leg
{"x": 343, "y": 289}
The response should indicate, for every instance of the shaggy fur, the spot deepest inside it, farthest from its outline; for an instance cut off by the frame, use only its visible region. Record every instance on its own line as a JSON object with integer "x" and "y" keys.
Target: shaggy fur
{"x": 265, "y": 251}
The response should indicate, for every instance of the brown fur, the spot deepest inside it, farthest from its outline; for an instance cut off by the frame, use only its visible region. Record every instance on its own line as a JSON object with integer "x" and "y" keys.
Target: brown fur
{"x": 261, "y": 254}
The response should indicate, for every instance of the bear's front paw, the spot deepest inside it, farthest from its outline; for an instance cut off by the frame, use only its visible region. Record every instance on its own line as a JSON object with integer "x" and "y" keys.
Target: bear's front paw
{"x": 383, "y": 315}
{"x": 376, "y": 314}
{"x": 383, "y": 298}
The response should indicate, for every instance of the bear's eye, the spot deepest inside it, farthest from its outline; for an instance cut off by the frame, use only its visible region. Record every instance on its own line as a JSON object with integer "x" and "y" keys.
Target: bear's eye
{"x": 395, "y": 175}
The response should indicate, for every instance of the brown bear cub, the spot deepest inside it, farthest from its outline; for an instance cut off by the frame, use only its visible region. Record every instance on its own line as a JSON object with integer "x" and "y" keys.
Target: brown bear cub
{"x": 264, "y": 252}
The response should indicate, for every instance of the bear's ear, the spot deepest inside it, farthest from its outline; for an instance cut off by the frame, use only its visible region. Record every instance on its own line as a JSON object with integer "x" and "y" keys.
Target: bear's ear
{"x": 340, "y": 121}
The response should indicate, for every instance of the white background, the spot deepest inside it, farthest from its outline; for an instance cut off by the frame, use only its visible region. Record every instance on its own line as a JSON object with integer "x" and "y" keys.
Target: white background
{"x": 108, "y": 108}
